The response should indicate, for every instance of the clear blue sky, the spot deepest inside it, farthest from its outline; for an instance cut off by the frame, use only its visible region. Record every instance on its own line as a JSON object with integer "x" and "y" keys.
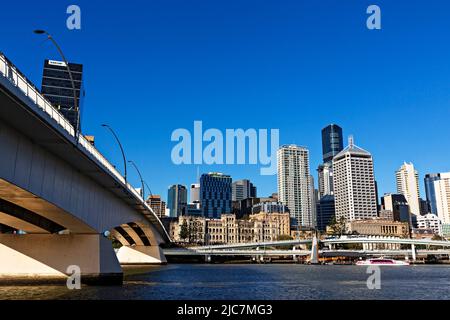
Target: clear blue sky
{"x": 156, "y": 65}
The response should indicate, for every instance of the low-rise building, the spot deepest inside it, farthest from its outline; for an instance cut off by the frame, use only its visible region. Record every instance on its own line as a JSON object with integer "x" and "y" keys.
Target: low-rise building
{"x": 228, "y": 229}
{"x": 378, "y": 227}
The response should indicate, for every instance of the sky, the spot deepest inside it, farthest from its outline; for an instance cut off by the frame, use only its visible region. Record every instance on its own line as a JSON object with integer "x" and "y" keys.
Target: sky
{"x": 153, "y": 66}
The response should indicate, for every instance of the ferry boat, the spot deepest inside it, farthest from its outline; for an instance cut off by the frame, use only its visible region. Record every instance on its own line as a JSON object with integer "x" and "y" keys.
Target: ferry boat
{"x": 382, "y": 262}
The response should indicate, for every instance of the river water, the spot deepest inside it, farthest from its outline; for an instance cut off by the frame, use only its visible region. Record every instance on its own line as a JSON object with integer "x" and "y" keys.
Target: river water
{"x": 252, "y": 281}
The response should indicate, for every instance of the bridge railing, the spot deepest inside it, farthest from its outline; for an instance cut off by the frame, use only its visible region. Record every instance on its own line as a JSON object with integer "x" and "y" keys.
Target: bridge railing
{"x": 10, "y": 72}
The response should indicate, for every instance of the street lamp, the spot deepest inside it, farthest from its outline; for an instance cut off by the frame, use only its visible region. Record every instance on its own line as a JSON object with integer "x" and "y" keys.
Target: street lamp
{"x": 75, "y": 99}
{"x": 149, "y": 189}
{"x": 140, "y": 176}
{"x": 121, "y": 149}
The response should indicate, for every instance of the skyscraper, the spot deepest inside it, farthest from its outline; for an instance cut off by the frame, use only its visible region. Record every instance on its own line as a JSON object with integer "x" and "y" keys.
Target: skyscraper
{"x": 57, "y": 88}
{"x": 354, "y": 184}
{"x": 325, "y": 212}
{"x": 195, "y": 193}
{"x": 294, "y": 183}
{"x": 430, "y": 191}
{"x": 332, "y": 142}
{"x": 397, "y": 205}
{"x": 243, "y": 189}
{"x": 408, "y": 185}
{"x": 177, "y": 200}
{"x": 325, "y": 172}
{"x": 215, "y": 194}
{"x": 442, "y": 190}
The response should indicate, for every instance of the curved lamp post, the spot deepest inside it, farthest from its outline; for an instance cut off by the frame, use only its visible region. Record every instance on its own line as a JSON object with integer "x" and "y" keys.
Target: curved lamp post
{"x": 140, "y": 176}
{"x": 75, "y": 98}
{"x": 121, "y": 149}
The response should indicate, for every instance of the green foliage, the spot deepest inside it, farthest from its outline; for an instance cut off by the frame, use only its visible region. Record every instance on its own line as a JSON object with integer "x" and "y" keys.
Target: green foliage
{"x": 284, "y": 237}
{"x": 337, "y": 226}
{"x": 184, "y": 231}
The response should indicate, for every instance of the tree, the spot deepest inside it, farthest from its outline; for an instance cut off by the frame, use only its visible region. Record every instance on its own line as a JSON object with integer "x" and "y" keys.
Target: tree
{"x": 337, "y": 226}
{"x": 284, "y": 237}
{"x": 184, "y": 231}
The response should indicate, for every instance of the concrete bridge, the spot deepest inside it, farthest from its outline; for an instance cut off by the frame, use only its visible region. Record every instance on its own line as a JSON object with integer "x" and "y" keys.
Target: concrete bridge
{"x": 64, "y": 195}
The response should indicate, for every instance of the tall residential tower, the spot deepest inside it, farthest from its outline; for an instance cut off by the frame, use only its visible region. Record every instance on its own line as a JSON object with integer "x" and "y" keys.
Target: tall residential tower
{"x": 294, "y": 183}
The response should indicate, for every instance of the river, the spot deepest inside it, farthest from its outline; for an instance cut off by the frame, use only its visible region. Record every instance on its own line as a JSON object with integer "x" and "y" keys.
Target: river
{"x": 253, "y": 281}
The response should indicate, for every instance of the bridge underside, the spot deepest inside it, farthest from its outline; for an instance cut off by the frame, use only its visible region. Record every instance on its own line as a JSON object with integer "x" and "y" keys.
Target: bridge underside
{"x": 54, "y": 240}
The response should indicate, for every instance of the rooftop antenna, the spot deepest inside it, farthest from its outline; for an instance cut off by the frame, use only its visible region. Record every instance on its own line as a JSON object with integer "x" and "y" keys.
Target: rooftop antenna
{"x": 351, "y": 141}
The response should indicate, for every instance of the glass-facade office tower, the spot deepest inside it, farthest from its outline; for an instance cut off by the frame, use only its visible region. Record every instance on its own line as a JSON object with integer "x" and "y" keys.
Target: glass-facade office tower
{"x": 57, "y": 88}
{"x": 430, "y": 191}
{"x": 215, "y": 194}
{"x": 294, "y": 184}
{"x": 177, "y": 200}
{"x": 397, "y": 204}
{"x": 325, "y": 212}
{"x": 243, "y": 189}
{"x": 354, "y": 184}
{"x": 332, "y": 142}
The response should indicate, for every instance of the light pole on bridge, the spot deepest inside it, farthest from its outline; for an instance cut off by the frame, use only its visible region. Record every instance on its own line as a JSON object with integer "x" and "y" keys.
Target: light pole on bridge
{"x": 75, "y": 96}
{"x": 140, "y": 176}
{"x": 121, "y": 149}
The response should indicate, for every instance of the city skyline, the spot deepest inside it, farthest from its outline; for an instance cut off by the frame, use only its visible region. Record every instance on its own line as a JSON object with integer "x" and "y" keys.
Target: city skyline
{"x": 367, "y": 83}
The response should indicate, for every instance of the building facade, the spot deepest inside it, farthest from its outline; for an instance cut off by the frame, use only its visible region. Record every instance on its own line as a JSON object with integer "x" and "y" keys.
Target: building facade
{"x": 157, "y": 204}
{"x": 442, "y": 190}
{"x": 397, "y": 205}
{"x": 354, "y": 184}
{"x": 215, "y": 194}
{"x": 407, "y": 179}
{"x": 242, "y": 189}
{"x": 430, "y": 192}
{"x": 57, "y": 88}
{"x": 325, "y": 212}
{"x": 195, "y": 193}
{"x": 378, "y": 227}
{"x": 294, "y": 183}
{"x": 332, "y": 142}
{"x": 228, "y": 230}
{"x": 177, "y": 200}
{"x": 430, "y": 221}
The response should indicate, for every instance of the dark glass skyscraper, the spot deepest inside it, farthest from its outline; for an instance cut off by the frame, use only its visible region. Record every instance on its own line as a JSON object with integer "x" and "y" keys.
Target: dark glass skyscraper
{"x": 215, "y": 194}
{"x": 177, "y": 200}
{"x": 332, "y": 142}
{"x": 57, "y": 88}
{"x": 325, "y": 212}
{"x": 430, "y": 191}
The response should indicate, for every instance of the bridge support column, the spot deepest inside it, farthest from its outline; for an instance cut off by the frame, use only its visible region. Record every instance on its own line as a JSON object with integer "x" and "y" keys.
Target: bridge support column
{"x": 47, "y": 257}
{"x": 141, "y": 255}
{"x": 413, "y": 252}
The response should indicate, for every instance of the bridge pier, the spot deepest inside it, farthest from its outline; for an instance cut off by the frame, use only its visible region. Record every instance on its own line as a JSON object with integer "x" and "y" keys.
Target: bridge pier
{"x": 141, "y": 255}
{"x": 413, "y": 252}
{"x": 47, "y": 257}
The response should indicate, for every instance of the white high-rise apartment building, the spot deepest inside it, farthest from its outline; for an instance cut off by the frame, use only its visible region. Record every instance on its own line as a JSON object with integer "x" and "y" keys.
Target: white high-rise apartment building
{"x": 294, "y": 183}
{"x": 408, "y": 185}
{"x": 354, "y": 184}
{"x": 442, "y": 189}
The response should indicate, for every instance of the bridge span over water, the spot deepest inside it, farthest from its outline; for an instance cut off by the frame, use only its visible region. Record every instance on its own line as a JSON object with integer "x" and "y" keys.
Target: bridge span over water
{"x": 59, "y": 189}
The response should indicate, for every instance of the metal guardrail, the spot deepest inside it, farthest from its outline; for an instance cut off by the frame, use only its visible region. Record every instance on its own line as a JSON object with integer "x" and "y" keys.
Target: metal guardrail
{"x": 15, "y": 77}
{"x": 9, "y": 71}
